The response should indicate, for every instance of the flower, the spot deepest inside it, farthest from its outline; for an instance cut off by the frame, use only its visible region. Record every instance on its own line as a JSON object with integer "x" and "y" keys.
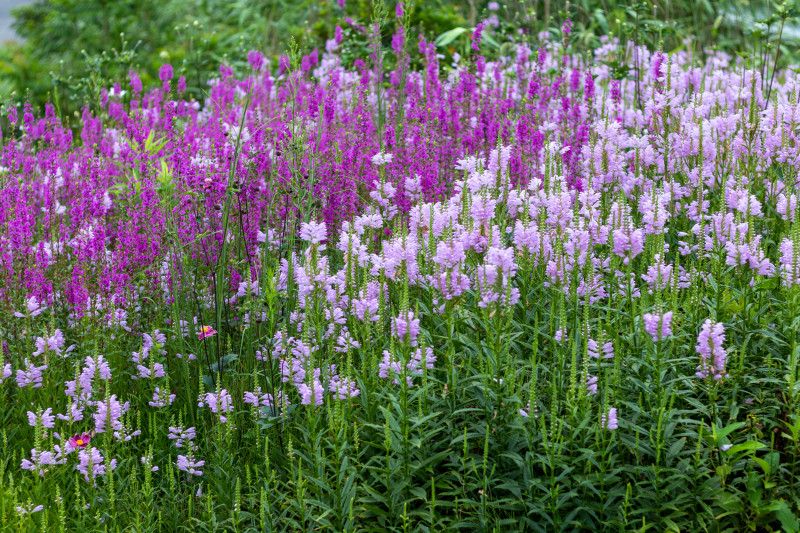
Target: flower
{"x": 476, "y": 37}
{"x": 218, "y": 403}
{"x": 38, "y": 460}
{"x": 381, "y": 158}
{"x": 311, "y": 394}
{"x": 34, "y": 307}
{"x": 147, "y": 461}
{"x": 136, "y": 82}
{"x": 609, "y": 421}
{"x": 188, "y": 464}
{"x": 658, "y": 326}
{"x": 406, "y": 327}
{"x": 593, "y": 349}
{"x": 255, "y": 59}
{"x": 31, "y": 376}
{"x": 712, "y": 354}
{"x": 418, "y": 360}
{"x": 161, "y": 398}
{"x": 93, "y": 464}
{"x": 206, "y": 331}
{"x": 80, "y": 440}
{"x": 29, "y": 508}
{"x": 165, "y": 72}
{"x": 54, "y": 343}
{"x": 591, "y": 385}
{"x": 47, "y": 418}
{"x": 313, "y": 232}
{"x": 182, "y": 435}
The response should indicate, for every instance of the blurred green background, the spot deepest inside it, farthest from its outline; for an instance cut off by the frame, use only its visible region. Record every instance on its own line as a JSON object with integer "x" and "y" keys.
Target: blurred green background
{"x": 66, "y": 50}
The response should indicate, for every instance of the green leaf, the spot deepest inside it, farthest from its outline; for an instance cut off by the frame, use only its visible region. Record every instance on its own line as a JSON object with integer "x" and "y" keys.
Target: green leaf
{"x": 721, "y": 433}
{"x": 449, "y": 36}
{"x": 763, "y": 464}
{"x": 787, "y": 518}
{"x": 224, "y": 362}
{"x": 745, "y": 446}
{"x": 676, "y": 447}
{"x": 488, "y": 39}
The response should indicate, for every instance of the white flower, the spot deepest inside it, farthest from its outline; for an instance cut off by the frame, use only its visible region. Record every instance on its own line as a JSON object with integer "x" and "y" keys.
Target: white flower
{"x": 382, "y": 159}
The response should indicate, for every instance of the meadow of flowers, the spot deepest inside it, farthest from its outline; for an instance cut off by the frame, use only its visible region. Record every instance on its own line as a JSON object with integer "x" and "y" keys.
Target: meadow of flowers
{"x": 531, "y": 294}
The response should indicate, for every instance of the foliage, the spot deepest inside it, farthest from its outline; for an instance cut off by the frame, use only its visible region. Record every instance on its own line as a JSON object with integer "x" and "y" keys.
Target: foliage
{"x": 525, "y": 289}
{"x": 65, "y": 43}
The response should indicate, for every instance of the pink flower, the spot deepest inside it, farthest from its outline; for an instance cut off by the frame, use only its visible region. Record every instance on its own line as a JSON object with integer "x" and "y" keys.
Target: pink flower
{"x": 34, "y": 308}
{"x": 188, "y": 464}
{"x": 93, "y": 464}
{"x": 313, "y": 232}
{"x": 312, "y": 393}
{"x": 591, "y": 385}
{"x": 609, "y": 421}
{"x": 29, "y": 509}
{"x": 47, "y": 418}
{"x": 218, "y": 403}
{"x": 80, "y": 440}
{"x": 594, "y": 349}
{"x": 31, "y": 376}
{"x": 406, "y": 327}
{"x": 38, "y": 460}
{"x": 147, "y": 461}
{"x": 712, "y": 354}
{"x": 658, "y": 326}
{"x": 206, "y": 331}
{"x": 182, "y": 436}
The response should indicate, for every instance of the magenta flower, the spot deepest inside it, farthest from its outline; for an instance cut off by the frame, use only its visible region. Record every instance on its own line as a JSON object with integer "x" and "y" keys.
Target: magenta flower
{"x": 206, "y": 331}
{"x": 165, "y": 72}
{"x": 136, "y": 82}
{"x": 80, "y": 440}
{"x": 255, "y": 59}
{"x": 476, "y": 37}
